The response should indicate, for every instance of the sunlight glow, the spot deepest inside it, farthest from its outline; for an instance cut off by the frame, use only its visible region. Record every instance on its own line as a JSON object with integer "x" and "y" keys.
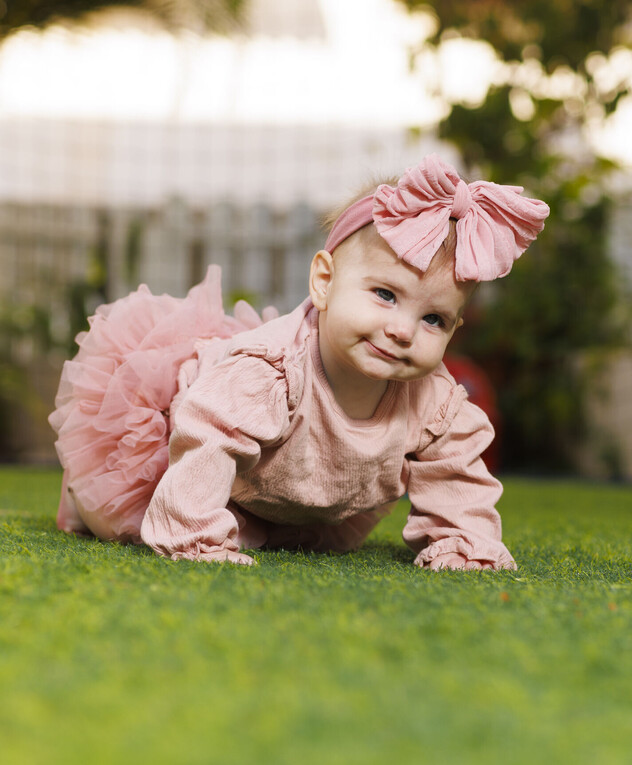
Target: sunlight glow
{"x": 130, "y": 73}
{"x": 360, "y": 78}
{"x": 466, "y": 70}
{"x": 612, "y": 139}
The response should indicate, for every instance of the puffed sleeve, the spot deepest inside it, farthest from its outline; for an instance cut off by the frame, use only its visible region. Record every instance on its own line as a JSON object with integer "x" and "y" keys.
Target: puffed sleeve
{"x": 453, "y": 520}
{"x": 232, "y": 410}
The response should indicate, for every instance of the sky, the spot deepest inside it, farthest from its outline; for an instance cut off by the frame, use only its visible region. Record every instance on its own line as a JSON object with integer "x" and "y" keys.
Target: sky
{"x": 304, "y": 73}
{"x": 315, "y": 66}
{"x": 331, "y": 77}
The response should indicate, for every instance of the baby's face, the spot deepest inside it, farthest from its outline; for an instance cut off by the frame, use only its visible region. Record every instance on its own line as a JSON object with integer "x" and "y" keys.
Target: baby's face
{"x": 383, "y": 319}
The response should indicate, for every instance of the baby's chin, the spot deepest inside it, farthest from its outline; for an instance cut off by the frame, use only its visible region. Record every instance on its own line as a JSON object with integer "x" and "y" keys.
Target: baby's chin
{"x": 409, "y": 376}
{"x": 413, "y": 377}
{"x": 412, "y": 373}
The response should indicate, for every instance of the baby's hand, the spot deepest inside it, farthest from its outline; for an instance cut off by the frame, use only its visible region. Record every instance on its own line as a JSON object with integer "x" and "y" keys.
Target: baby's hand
{"x": 456, "y": 561}
{"x": 227, "y": 556}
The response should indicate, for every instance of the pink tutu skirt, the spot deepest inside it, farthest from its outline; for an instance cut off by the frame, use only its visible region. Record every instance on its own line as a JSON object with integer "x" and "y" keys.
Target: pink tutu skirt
{"x": 112, "y": 406}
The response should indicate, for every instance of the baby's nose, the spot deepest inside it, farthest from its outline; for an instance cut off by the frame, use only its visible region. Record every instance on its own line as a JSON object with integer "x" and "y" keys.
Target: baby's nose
{"x": 401, "y": 329}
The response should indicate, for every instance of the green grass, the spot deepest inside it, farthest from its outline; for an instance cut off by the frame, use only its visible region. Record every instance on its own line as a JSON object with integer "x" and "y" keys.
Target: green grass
{"x": 109, "y": 654}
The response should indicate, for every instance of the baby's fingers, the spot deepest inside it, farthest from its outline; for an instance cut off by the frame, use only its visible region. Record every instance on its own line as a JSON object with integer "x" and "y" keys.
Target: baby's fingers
{"x": 228, "y": 556}
{"x": 476, "y": 565}
{"x": 448, "y": 561}
{"x": 455, "y": 561}
{"x": 240, "y": 558}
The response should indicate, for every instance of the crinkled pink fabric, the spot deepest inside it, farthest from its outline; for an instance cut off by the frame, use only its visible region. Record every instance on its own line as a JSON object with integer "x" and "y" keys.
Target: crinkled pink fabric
{"x": 262, "y": 454}
{"x": 495, "y": 223}
{"x": 113, "y": 401}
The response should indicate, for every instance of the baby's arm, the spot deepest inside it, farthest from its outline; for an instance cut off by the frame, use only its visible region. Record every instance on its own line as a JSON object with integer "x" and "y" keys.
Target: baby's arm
{"x": 228, "y": 414}
{"x": 453, "y": 522}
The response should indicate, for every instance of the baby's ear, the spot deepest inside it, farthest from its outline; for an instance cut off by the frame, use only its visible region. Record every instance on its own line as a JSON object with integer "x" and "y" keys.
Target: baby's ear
{"x": 320, "y": 276}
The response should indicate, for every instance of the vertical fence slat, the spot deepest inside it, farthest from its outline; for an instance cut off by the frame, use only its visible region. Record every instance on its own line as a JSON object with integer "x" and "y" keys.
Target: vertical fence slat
{"x": 47, "y": 252}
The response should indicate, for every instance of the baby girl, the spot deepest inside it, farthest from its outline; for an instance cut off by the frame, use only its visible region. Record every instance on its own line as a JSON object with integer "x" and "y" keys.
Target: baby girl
{"x": 203, "y": 435}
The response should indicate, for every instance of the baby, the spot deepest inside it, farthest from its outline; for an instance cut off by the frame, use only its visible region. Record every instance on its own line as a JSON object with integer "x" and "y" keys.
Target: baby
{"x": 303, "y": 431}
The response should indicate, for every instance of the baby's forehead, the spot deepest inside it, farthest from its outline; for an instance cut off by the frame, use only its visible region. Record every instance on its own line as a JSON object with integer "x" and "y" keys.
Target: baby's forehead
{"x": 369, "y": 258}
{"x": 366, "y": 250}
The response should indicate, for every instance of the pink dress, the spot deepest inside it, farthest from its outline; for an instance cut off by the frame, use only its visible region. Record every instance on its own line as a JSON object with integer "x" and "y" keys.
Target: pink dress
{"x": 260, "y": 453}
{"x": 112, "y": 406}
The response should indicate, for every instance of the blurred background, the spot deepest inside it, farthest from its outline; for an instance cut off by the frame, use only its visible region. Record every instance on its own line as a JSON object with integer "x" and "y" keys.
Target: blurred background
{"x": 141, "y": 141}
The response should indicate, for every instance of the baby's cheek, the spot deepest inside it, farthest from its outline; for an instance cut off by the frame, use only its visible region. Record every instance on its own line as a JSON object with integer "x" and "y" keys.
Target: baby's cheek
{"x": 430, "y": 352}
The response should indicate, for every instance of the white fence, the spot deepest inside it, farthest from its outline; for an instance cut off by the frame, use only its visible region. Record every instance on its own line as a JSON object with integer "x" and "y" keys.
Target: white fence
{"x": 50, "y": 256}
{"x": 58, "y": 263}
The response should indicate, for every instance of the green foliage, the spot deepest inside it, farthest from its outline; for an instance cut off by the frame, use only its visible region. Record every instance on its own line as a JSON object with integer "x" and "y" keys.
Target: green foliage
{"x": 114, "y": 655}
{"x": 15, "y": 14}
{"x": 28, "y": 336}
{"x": 564, "y": 297}
{"x": 204, "y": 14}
{"x": 20, "y": 324}
{"x": 564, "y": 30}
{"x": 529, "y": 331}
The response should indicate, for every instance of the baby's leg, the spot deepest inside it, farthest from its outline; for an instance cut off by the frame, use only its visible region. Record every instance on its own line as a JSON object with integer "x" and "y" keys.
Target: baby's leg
{"x": 68, "y": 518}
{"x": 74, "y": 518}
{"x": 253, "y": 531}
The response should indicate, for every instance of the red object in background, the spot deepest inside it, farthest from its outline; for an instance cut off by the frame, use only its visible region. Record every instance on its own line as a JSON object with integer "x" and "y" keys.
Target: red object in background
{"x": 480, "y": 392}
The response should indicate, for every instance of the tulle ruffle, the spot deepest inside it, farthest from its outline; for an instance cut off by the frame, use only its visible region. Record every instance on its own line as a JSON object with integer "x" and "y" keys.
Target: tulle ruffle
{"x": 112, "y": 406}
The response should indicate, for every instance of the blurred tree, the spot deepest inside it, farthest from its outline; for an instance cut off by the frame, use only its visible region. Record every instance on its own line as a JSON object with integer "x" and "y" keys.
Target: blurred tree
{"x": 562, "y": 68}
{"x": 200, "y": 15}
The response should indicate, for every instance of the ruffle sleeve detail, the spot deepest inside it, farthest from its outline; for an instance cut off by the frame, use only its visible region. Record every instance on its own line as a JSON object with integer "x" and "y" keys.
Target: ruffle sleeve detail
{"x": 233, "y": 409}
{"x": 471, "y": 549}
{"x": 452, "y": 494}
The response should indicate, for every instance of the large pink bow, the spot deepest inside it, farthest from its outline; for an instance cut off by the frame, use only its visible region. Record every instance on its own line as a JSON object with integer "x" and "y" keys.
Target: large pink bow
{"x": 495, "y": 224}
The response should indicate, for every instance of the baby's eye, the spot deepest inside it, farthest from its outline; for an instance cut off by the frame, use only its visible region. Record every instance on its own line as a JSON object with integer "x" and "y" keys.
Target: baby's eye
{"x": 433, "y": 319}
{"x": 385, "y": 295}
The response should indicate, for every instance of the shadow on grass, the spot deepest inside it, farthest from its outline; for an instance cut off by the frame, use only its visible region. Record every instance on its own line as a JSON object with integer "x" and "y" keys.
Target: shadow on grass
{"x": 32, "y": 534}
{"x": 584, "y": 558}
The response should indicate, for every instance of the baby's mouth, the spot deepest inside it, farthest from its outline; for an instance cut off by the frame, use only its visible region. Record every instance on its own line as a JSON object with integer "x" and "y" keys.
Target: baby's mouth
{"x": 381, "y": 352}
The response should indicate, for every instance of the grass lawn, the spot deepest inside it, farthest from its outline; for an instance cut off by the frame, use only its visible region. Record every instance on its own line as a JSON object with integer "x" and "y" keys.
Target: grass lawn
{"x": 109, "y": 654}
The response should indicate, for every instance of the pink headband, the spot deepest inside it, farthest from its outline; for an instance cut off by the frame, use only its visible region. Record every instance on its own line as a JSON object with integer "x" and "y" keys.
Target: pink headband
{"x": 495, "y": 224}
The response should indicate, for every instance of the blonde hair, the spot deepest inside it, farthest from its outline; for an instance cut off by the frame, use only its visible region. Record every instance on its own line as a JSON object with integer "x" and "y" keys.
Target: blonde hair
{"x": 447, "y": 249}
{"x": 330, "y": 217}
